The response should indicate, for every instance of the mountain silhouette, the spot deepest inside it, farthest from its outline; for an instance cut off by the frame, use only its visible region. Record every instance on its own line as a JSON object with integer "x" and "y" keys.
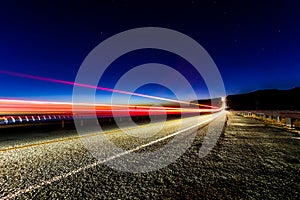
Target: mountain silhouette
{"x": 271, "y": 99}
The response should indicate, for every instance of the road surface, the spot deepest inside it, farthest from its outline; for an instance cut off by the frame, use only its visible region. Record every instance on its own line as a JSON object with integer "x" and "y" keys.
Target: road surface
{"x": 250, "y": 161}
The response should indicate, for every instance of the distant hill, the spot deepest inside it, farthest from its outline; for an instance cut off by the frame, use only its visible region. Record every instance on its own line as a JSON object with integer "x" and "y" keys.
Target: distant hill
{"x": 266, "y": 100}
{"x": 215, "y": 102}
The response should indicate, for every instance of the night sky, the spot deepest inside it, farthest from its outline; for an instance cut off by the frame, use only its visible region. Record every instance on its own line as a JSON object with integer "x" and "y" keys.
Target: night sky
{"x": 255, "y": 44}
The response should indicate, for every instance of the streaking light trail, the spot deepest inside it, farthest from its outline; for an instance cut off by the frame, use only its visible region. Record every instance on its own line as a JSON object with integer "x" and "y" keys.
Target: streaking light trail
{"x": 22, "y": 107}
{"x": 100, "y": 88}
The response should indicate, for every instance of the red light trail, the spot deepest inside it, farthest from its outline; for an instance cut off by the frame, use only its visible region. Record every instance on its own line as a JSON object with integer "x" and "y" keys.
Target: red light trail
{"x": 99, "y": 88}
{"x": 23, "y": 107}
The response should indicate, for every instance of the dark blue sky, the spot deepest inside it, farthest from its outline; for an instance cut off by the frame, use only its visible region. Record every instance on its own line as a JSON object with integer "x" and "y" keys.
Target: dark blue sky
{"x": 255, "y": 44}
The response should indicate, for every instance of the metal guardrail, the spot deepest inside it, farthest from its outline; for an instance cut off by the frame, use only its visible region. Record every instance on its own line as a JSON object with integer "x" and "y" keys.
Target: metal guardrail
{"x": 7, "y": 121}
{"x": 290, "y": 119}
{"x": 30, "y": 119}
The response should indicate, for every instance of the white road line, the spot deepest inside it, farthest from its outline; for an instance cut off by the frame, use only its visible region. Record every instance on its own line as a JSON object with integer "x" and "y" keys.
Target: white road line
{"x": 59, "y": 177}
{"x": 10, "y": 148}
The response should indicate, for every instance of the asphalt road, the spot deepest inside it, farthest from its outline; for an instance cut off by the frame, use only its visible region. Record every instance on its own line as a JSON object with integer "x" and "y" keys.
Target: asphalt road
{"x": 250, "y": 161}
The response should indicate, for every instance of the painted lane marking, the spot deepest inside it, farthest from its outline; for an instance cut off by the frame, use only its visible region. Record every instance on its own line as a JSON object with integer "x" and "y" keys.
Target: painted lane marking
{"x": 75, "y": 137}
{"x": 59, "y": 177}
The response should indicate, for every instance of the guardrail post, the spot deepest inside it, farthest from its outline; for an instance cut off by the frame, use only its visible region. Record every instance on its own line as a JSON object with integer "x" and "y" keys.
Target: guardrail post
{"x": 296, "y": 123}
{"x": 288, "y": 122}
{"x": 278, "y": 119}
{"x": 62, "y": 123}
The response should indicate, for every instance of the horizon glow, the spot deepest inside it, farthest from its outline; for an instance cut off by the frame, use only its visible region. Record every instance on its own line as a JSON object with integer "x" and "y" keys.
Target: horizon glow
{"x": 98, "y": 88}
